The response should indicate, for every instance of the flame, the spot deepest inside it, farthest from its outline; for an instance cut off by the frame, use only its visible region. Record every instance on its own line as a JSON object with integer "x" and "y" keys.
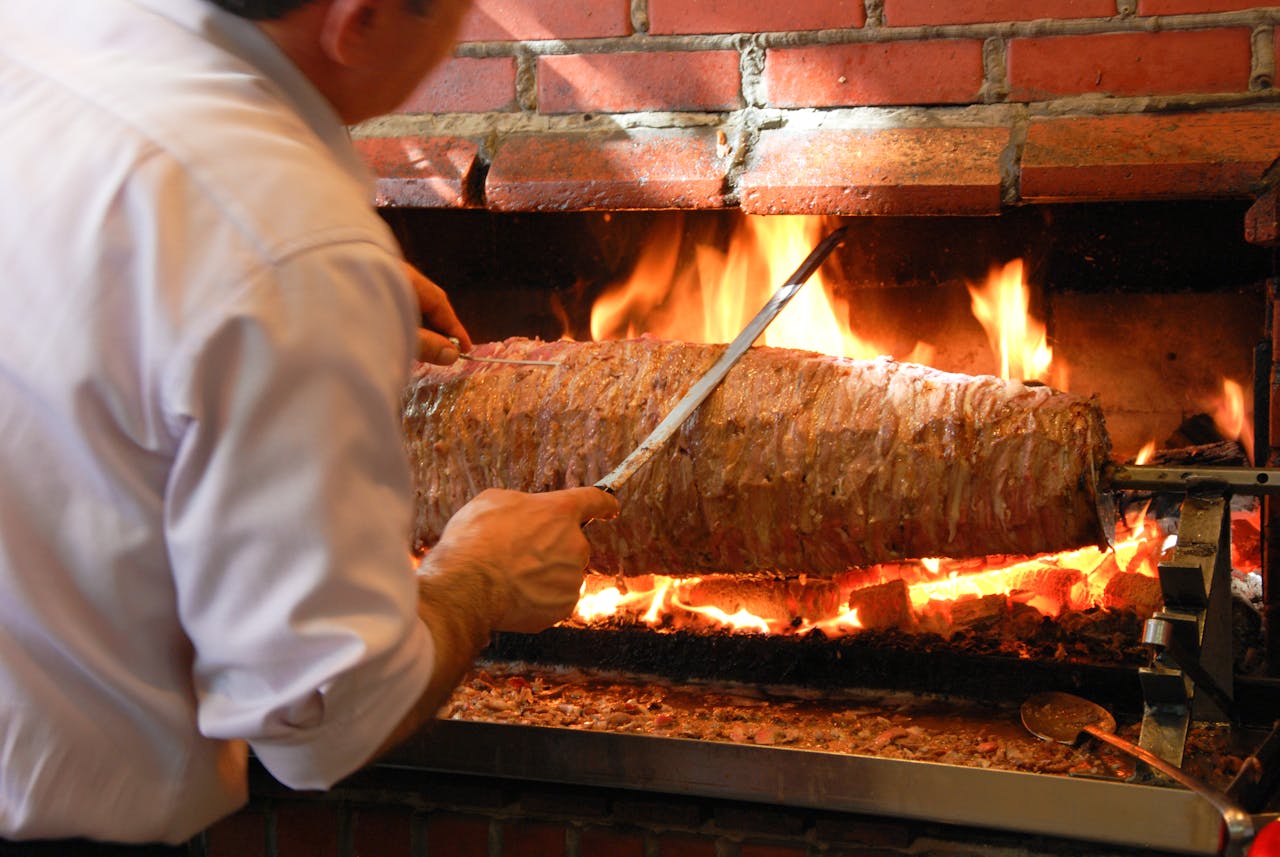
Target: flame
{"x": 1050, "y": 583}
{"x": 1230, "y": 417}
{"x": 714, "y": 296}
{"x": 1021, "y": 344}
{"x": 697, "y": 293}
{"x": 1144, "y": 455}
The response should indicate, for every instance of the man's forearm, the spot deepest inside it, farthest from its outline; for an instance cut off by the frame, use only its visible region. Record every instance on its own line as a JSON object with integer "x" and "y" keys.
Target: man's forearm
{"x": 457, "y": 610}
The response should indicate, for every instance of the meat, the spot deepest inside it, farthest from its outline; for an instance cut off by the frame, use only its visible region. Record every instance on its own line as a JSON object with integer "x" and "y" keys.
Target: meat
{"x": 799, "y": 463}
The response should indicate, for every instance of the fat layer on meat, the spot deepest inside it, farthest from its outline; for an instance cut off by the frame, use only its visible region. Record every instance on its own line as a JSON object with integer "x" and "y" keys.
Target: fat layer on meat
{"x": 798, "y": 463}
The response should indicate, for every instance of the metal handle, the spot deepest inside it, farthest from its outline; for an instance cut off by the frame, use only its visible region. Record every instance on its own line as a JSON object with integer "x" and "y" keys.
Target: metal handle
{"x": 1238, "y": 823}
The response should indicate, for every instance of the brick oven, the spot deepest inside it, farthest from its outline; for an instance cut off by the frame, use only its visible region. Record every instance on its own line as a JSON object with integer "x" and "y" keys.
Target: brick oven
{"x": 1123, "y": 150}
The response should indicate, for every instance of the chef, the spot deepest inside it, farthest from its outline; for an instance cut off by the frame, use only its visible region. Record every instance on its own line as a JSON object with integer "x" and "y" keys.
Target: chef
{"x": 204, "y": 495}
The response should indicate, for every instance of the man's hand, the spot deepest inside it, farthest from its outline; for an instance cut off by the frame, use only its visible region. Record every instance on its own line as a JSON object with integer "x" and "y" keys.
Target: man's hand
{"x": 438, "y": 322}
{"x": 529, "y": 546}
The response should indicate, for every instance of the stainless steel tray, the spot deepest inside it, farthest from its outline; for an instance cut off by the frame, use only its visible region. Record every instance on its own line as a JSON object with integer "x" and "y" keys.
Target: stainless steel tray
{"x": 1118, "y": 813}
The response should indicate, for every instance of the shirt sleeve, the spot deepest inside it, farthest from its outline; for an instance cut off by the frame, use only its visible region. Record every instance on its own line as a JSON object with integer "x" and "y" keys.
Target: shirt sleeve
{"x": 288, "y": 515}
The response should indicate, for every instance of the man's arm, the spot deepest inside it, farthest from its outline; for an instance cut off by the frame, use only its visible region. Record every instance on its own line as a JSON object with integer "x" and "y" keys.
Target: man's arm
{"x": 506, "y": 561}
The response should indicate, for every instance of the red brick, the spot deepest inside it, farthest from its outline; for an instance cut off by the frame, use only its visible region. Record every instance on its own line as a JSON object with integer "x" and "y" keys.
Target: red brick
{"x": 900, "y": 171}
{"x": 750, "y": 849}
{"x": 606, "y": 842}
{"x": 662, "y": 812}
{"x": 308, "y": 829}
{"x": 465, "y": 85}
{"x": 620, "y": 83}
{"x": 668, "y": 17}
{"x": 916, "y": 13}
{"x": 946, "y": 71}
{"x": 1191, "y": 7}
{"x": 529, "y": 839}
{"x": 1196, "y": 61}
{"x": 458, "y": 835}
{"x": 553, "y": 800}
{"x": 1148, "y": 156}
{"x": 241, "y": 835}
{"x": 424, "y": 172}
{"x": 853, "y": 830}
{"x": 1262, "y": 224}
{"x": 682, "y": 845}
{"x": 522, "y": 20}
{"x": 758, "y": 819}
{"x": 644, "y": 169}
{"x": 383, "y": 832}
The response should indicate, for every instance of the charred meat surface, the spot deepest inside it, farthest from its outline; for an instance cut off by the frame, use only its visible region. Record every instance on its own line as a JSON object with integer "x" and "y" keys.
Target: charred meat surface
{"x": 798, "y": 463}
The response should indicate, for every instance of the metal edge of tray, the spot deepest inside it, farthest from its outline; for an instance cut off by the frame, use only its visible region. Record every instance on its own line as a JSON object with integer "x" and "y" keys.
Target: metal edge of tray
{"x": 1118, "y": 813}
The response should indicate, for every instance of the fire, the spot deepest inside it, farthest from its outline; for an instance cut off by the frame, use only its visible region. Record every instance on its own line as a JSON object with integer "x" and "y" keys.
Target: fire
{"x": 1021, "y": 343}
{"x": 702, "y": 294}
{"x": 714, "y": 295}
{"x": 1230, "y": 417}
{"x": 1052, "y": 583}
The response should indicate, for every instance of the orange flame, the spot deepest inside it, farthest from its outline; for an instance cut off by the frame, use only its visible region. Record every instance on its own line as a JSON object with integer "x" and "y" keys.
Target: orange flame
{"x": 713, "y": 298}
{"x": 1230, "y": 417}
{"x": 1050, "y": 583}
{"x": 1021, "y": 344}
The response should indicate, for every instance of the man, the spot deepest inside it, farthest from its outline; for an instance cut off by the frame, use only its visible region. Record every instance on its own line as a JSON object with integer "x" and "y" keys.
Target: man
{"x": 204, "y": 502}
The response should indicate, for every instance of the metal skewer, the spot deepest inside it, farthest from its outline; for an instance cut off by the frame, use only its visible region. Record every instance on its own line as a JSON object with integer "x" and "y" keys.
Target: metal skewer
{"x": 509, "y": 360}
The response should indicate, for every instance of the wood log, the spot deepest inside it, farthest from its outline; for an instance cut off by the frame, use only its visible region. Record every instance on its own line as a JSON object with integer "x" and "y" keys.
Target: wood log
{"x": 1137, "y": 592}
{"x": 799, "y": 463}
{"x": 773, "y": 600}
{"x": 885, "y": 605}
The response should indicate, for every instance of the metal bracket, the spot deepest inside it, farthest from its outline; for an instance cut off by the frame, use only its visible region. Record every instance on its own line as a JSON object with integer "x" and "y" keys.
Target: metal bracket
{"x": 1191, "y": 672}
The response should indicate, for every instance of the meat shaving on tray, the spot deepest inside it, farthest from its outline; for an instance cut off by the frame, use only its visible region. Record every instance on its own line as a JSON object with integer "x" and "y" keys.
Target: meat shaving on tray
{"x": 888, "y": 725}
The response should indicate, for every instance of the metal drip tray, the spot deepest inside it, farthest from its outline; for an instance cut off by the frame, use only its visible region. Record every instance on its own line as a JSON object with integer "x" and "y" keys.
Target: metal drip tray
{"x": 1118, "y": 813}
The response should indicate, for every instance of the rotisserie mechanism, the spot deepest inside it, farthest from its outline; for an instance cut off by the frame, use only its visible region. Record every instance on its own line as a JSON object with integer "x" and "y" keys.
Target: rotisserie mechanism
{"x": 799, "y": 463}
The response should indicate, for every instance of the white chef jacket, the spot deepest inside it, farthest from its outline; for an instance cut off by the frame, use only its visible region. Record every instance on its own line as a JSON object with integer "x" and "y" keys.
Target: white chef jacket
{"x": 204, "y": 498}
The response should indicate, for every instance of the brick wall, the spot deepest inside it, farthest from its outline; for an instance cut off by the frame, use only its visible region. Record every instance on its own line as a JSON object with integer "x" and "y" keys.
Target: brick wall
{"x": 838, "y": 106}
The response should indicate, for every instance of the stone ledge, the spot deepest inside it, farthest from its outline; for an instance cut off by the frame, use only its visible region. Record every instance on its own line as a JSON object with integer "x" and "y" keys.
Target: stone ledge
{"x": 896, "y": 171}
{"x": 582, "y": 172}
{"x": 1148, "y": 156}
{"x": 917, "y": 170}
{"x": 421, "y": 172}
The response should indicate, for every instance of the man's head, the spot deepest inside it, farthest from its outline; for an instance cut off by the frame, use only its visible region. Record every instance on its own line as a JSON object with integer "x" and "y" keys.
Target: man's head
{"x": 365, "y": 56}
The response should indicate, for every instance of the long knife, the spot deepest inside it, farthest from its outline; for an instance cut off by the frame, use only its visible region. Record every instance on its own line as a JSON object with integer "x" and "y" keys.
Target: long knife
{"x": 708, "y": 382}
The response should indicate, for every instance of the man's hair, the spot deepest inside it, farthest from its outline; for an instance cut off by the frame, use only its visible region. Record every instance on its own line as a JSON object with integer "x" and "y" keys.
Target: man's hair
{"x": 266, "y": 10}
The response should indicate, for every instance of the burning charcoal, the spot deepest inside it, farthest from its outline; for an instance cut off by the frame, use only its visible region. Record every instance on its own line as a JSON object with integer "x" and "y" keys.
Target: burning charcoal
{"x": 1136, "y": 592}
{"x": 887, "y": 605}
{"x": 981, "y": 612}
{"x": 764, "y": 598}
{"x": 1246, "y": 542}
{"x": 1052, "y": 587}
{"x": 813, "y": 600}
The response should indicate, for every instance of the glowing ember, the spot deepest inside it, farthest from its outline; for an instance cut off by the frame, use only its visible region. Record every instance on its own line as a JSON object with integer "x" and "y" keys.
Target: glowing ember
{"x": 1075, "y": 580}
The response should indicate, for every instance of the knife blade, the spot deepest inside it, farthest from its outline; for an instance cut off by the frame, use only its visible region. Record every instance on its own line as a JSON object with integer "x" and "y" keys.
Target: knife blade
{"x": 713, "y": 376}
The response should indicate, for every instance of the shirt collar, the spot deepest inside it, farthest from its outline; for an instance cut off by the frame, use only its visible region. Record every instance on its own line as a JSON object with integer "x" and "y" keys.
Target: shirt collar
{"x": 242, "y": 38}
